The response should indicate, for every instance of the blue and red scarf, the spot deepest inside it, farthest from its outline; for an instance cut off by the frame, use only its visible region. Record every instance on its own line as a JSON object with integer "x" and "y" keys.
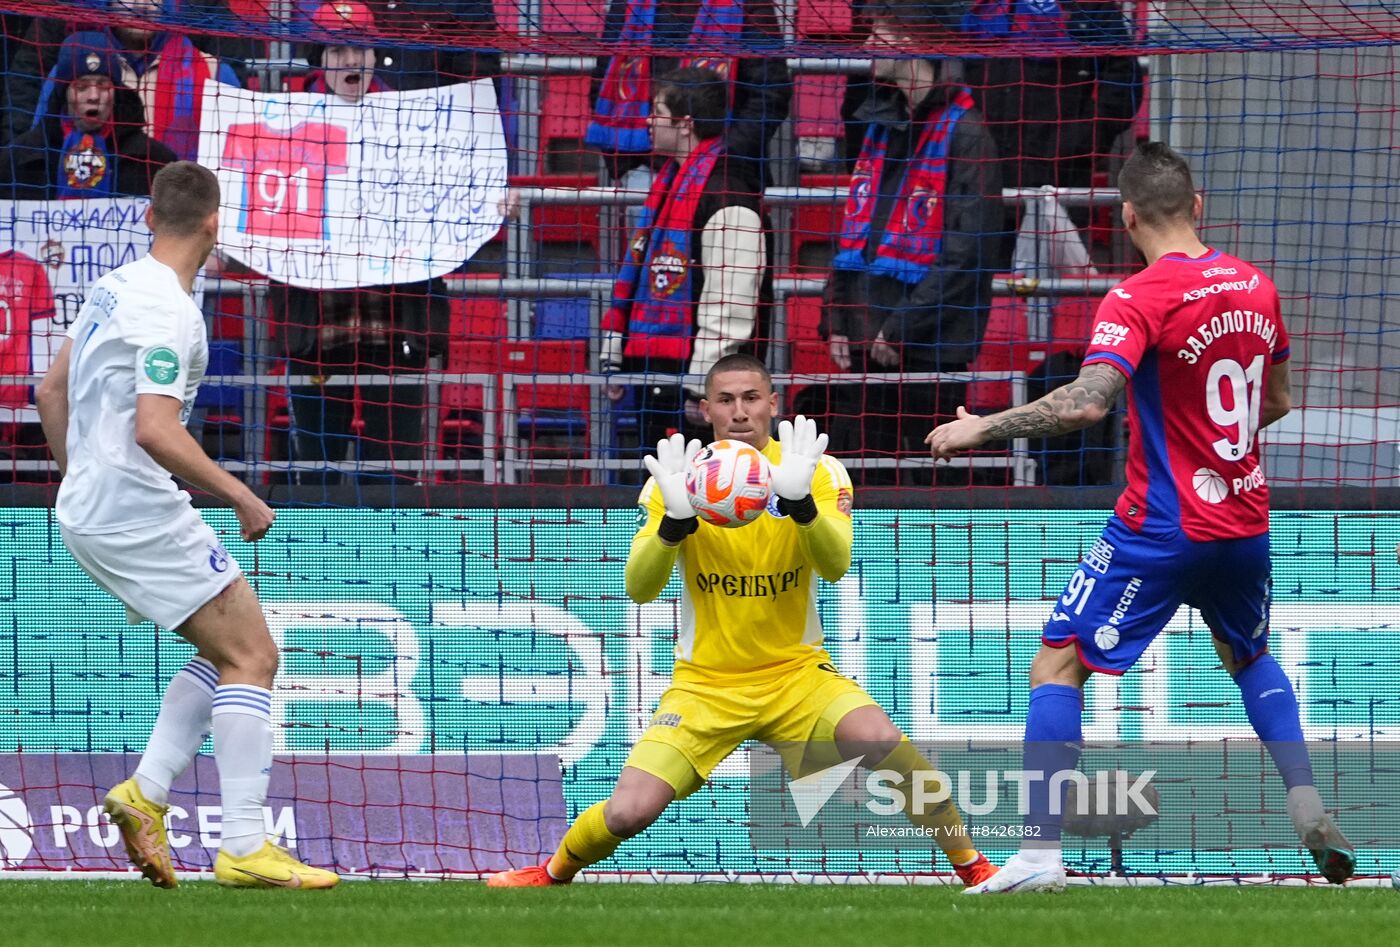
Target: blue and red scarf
{"x": 619, "y": 123}
{"x": 181, "y": 71}
{"x": 1025, "y": 19}
{"x": 653, "y": 298}
{"x": 87, "y": 167}
{"x": 913, "y": 235}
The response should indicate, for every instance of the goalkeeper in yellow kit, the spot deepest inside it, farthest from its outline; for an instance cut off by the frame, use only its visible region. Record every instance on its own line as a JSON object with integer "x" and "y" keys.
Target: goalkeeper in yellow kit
{"x": 749, "y": 658}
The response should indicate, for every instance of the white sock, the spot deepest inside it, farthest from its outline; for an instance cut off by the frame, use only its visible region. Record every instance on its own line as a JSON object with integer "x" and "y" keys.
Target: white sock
{"x": 180, "y": 729}
{"x": 1042, "y": 855}
{"x": 243, "y": 750}
{"x": 1305, "y": 809}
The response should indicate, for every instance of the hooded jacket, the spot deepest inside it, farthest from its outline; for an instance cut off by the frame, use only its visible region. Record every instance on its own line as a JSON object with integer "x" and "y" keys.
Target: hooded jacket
{"x": 29, "y": 167}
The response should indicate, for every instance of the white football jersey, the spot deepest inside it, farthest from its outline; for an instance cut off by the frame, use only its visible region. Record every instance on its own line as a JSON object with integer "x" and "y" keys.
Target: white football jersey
{"x": 138, "y": 332}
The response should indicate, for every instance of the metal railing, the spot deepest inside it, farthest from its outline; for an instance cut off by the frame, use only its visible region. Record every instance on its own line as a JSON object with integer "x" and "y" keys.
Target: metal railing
{"x": 502, "y": 457}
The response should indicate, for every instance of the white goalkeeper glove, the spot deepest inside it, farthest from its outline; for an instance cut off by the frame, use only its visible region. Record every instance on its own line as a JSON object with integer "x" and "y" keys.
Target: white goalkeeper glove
{"x": 802, "y": 449}
{"x": 668, "y": 469}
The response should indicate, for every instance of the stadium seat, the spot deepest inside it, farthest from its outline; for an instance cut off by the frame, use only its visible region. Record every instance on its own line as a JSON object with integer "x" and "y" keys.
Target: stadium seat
{"x": 475, "y": 317}
{"x": 823, "y": 18}
{"x": 815, "y": 227}
{"x": 817, "y": 116}
{"x": 556, "y": 409}
{"x": 571, "y": 232}
{"x": 564, "y": 114}
{"x": 1006, "y": 346}
{"x": 808, "y": 352}
{"x": 230, "y": 317}
{"x": 224, "y": 403}
{"x": 550, "y": 409}
{"x": 560, "y": 16}
{"x": 1003, "y": 349}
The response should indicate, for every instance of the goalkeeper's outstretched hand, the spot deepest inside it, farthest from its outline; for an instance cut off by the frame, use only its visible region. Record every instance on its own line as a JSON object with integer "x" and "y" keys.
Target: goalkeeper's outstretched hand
{"x": 802, "y": 450}
{"x": 667, "y": 468}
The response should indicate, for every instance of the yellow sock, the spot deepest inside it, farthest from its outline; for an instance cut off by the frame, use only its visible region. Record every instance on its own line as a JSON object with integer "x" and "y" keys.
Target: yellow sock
{"x": 944, "y": 822}
{"x": 587, "y": 841}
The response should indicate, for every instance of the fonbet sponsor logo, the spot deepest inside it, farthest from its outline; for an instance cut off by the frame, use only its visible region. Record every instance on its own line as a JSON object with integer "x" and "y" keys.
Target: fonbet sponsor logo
{"x": 16, "y": 830}
{"x": 978, "y": 792}
{"x": 1109, "y": 333}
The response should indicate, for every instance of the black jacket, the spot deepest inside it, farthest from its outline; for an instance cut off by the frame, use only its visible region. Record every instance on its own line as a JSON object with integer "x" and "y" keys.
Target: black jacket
{"x": 1051, "y": 117}
{"x": 939, "y": 322}
{"x": 762, "y": 85}
{"x": 29, "y": 167}
{"x": 417, "y": 314}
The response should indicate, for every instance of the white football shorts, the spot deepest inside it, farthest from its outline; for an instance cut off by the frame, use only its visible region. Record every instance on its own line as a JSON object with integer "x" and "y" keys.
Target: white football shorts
{"x": 164, "y": 572}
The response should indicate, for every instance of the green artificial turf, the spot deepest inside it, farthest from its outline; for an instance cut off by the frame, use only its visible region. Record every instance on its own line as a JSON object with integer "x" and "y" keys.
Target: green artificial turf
{"x": 386, "y": 913}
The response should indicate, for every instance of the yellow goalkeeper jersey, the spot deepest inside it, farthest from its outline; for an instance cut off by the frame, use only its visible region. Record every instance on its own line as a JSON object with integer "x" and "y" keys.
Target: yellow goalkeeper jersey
{"x": 749, "y": 602}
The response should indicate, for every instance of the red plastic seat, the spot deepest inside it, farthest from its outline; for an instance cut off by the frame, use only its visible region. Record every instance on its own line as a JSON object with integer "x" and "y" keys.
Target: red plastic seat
{"x": 815, "y": 227}
{"x": 564, "y": 116}
{"x": 1003, "y": 349}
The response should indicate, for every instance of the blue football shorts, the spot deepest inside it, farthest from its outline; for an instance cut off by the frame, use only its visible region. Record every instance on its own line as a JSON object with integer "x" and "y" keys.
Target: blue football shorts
{"x": 1129, "y": 585}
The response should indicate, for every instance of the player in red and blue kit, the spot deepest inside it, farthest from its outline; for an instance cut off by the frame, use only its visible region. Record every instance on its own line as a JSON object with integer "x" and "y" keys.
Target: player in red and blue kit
{"x": 1198, "y": 341}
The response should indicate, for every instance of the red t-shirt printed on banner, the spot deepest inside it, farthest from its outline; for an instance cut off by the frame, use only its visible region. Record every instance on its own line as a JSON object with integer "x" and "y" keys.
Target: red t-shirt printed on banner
{"x": 25, "y": 296}
{"x": 285, "y": 176}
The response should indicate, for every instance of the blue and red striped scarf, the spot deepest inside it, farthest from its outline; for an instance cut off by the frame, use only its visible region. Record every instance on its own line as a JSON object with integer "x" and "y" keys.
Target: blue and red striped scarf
{"x": 653, "y": 298}
{"x": 1026, "y": 19}
{"x": 181, "y": 71}
{"x": 913, "y": 235}
{"x": 619, "y": 123}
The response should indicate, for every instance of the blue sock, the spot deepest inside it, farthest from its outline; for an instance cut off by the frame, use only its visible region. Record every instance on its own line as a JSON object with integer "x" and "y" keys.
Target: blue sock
{"x": 1273, "y": 712}
{"x": 1054, "y": 732}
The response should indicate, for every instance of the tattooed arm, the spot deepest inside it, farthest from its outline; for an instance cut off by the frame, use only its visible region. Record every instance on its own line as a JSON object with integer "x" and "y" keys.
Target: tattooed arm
{"x": 1082, "y": 403}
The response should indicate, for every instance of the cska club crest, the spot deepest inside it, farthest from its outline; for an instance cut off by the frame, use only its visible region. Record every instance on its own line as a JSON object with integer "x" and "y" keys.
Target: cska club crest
{"x": 668, "y": 270}
{"x": 85, "y": 166}
{"x": 920, "y": 208}
{"x": 860, "y": 188}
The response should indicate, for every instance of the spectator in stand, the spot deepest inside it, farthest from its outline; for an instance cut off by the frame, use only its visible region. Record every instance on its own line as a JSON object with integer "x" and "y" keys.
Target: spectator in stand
{"x": 695, "y": 285}
{"x": 759, "y": 88}
{"x": 167, "y": 69}
{"x": 912, "y": 281}
{"x": 460, "y": 23}
{"x": 368, "y": 330}
{"x": 90, "y": 144}
{"x": 1054, "y": 120}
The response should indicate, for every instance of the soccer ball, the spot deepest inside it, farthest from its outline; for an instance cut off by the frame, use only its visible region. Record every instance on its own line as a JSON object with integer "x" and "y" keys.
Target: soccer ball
{"x": 728, "y": 484}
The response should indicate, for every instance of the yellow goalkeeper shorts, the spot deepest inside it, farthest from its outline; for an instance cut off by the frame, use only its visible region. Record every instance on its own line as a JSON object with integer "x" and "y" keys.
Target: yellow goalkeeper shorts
{"x": 697, "y": 725}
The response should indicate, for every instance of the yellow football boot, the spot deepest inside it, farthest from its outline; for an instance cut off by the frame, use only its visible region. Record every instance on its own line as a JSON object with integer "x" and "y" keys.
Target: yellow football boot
{"x": 271, "y": 866}
{"x": 142, "y": 826}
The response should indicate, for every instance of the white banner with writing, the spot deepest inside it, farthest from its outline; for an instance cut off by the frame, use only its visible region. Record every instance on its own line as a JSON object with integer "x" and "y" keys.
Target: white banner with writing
{"x": 54, "y": 252}
{"x": 326, "y": 194}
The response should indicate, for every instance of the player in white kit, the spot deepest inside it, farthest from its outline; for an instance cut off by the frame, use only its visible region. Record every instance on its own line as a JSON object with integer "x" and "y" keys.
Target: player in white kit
{"x": 114, "y": 407}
